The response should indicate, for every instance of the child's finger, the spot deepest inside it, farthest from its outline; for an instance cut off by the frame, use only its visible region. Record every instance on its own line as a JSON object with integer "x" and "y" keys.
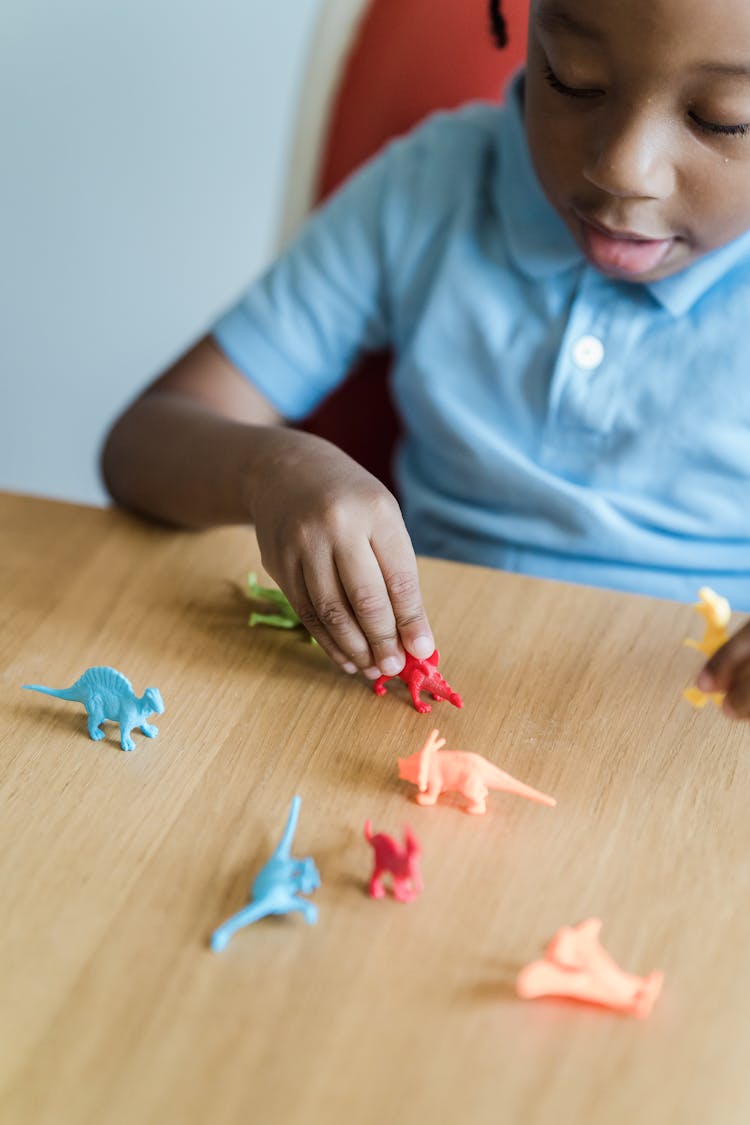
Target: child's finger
{"x": 368, "y": 595}
{"x": 718, "y": 673}
{"x": 332, "y": 620}
{"x": 737, "y": 700}
{"x": 302, "y": 603}
{"x": 399, "y": 566}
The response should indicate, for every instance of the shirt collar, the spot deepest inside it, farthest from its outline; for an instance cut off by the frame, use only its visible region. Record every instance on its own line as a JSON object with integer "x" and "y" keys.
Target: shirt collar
{"x": 541, "y": 245}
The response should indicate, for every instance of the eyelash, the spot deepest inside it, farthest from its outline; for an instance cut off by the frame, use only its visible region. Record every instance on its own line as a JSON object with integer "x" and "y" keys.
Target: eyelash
{"x": 706, "y": 126}
{"x": 722, "y": 130}
{"x": 561, "y": 88}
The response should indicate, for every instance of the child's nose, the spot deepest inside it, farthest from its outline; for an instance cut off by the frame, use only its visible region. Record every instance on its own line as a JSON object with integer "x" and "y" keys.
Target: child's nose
{"x": 631, "y": 158}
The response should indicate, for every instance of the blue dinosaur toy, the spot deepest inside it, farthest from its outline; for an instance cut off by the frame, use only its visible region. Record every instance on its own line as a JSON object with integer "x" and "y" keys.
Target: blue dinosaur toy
{"x": 277, "y": 888}
{"x": 107, "y": 694}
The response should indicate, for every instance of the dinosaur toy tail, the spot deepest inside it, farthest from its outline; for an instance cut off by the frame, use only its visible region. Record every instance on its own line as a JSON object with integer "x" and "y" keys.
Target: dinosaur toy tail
{"x": 521, "y": 790}
{"x": 368, "y": 831}
{"x": 504, "y": 782}
{"x": 62, "y": 693}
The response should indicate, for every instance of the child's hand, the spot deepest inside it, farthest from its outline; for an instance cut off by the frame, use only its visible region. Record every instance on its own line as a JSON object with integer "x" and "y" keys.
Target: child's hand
{"x": 728, "y": 670}
{"x": 333, "y": 538}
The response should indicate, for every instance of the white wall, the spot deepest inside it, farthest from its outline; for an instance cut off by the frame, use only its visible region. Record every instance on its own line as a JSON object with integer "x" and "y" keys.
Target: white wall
{"x": 152, "y": 155}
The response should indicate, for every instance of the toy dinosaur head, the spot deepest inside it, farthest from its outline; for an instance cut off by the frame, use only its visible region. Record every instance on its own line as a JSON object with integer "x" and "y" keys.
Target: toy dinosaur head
{"x": 713, "y": 607}
{"x": 153, "y": 700}
{"x": 308, "y": 879}
{"x": 408, "y": 768}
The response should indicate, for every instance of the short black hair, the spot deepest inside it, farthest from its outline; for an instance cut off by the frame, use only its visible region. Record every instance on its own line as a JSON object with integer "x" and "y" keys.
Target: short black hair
{"x": 498, "y": 25}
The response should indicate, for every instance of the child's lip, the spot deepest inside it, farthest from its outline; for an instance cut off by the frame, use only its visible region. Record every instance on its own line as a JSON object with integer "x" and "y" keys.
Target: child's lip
{"x": 623, "y": 253}
{"x": 627, "y": 235}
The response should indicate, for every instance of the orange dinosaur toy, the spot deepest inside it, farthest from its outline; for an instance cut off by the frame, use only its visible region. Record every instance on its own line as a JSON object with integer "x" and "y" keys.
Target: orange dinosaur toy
{"x": 401, "y": 862}
{"x": 457, "y": 771}
{"x": 576, "y": 966}
{"x": 716, "y": 612}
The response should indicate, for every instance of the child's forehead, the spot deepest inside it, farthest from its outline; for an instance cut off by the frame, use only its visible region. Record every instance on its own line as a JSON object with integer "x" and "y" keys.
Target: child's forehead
{"x": 700, "y": 24}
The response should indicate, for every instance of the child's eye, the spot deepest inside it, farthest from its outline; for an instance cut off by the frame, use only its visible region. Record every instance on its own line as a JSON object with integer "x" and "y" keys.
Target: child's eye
{"x": 721, "y": 130}
{"x": 570, "y": 91}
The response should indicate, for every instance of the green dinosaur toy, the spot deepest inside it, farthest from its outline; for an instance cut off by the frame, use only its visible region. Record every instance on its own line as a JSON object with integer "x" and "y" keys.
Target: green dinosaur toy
{"x": 283, "y": 618}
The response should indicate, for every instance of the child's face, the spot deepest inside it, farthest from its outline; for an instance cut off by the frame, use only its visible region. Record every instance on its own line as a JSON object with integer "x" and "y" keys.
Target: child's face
{"x": 638, "y": 118}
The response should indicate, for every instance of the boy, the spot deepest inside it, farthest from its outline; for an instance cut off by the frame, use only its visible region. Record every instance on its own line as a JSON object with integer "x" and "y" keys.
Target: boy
{"x": 565, "y": 284}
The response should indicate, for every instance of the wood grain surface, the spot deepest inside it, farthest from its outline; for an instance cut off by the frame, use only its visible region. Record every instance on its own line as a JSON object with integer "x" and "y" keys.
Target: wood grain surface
{"x": 115, "y": 867}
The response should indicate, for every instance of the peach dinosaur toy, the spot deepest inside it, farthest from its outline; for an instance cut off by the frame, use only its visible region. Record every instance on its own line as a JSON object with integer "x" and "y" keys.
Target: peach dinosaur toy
{"x": 401, "y": 862}
{"x": 460, "y": 772}
{"x": 716, "y": 612}
{"x": 577, "y": 967}
{"x": 422, "y": 675}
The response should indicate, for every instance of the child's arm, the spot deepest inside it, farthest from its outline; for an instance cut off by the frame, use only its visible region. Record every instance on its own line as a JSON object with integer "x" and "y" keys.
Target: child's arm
{"x": 728, "y": 670}
{"x": 203, "y": 447}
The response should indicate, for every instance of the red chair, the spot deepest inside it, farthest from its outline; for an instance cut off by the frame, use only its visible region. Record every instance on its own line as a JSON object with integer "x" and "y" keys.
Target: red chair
{"x": 408, "y": 59}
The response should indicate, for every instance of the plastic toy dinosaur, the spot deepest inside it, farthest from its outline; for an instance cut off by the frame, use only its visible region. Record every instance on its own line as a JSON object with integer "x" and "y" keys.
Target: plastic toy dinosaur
{"x": 284, "y": 617}
{"x": 422, "y": 675}
{"x": 277, "y": 888}
{"x": 457, "y": 771}
{"x": 716, "y": 613}
{"x": 108, "y": 695}
{"x": 403, "y": 863}
{"x": 576, "y": 966}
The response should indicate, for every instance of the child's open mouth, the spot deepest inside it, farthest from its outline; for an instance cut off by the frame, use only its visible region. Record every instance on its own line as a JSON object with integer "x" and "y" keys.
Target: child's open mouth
{"x": 622, "y": 253}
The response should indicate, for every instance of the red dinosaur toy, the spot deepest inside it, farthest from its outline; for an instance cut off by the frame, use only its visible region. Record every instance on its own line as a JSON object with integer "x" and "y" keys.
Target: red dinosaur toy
{"x": 422, "y": 675}
{"x": 401, "y": 862}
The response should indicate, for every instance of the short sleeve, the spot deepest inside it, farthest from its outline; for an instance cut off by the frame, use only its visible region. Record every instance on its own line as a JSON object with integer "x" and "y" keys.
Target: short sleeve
{"x": 298, "y": 330}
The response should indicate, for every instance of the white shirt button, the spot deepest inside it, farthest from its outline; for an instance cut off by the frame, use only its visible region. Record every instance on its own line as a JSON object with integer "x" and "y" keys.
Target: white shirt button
{"x": 588, "y": 352}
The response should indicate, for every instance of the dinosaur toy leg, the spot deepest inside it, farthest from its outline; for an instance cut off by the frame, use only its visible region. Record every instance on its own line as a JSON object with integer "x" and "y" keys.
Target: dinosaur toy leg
{"x": 272, "y": 619}
{"x": 403, "y": 891}
{"x": 476, "y": 793}
{"x": 430, "y": 795}
{"x": 376, "y": 884}
{"x": 308, "y": 909}
{"x": 95, "y": 719}
{"x": 149, "y": 730}
{"x": 126, "y": 741}
{"x": 415, "y": 686}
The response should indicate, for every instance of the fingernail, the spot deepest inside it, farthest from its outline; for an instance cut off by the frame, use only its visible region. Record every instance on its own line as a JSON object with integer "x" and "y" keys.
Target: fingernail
{"x": 371, "y": 673}
{"x": 423, "y": 647}
{"x": 391, "y": 666}
{"x": 705, "y": 681}
{"x": 349, "y": 667}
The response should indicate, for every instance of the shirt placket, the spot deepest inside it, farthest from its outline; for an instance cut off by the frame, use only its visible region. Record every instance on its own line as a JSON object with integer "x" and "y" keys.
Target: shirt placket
{"x": 586, "y": 382}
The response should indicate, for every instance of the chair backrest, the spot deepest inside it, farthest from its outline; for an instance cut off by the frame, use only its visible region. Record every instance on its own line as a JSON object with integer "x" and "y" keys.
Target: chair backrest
{"x": 408, "y": 59}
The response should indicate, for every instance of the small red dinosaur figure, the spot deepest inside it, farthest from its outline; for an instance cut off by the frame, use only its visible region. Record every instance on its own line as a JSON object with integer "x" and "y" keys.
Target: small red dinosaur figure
{"x": 401, "y": 862}
{"x": 422, "y": 675}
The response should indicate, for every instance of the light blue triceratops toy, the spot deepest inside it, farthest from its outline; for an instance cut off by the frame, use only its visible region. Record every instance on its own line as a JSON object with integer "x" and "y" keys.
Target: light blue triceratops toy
{"x": 107, "y": 694}
{"x": 277, "y": 888}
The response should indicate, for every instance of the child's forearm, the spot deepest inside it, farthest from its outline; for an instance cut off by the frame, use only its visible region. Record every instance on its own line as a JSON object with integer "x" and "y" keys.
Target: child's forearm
{"x": 173, "y": 459}
{"x": 201, "y": 448}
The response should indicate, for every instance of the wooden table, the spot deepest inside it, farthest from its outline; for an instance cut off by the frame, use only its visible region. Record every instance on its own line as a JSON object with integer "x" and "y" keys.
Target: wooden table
{"x": 116, "y": 867}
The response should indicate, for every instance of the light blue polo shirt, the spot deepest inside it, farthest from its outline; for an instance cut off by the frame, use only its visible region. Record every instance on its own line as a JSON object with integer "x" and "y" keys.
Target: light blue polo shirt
{"x": 557, "y": 423}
